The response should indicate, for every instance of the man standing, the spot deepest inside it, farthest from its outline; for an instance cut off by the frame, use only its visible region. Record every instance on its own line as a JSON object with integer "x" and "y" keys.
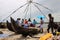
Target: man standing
{"x": 51, "y": 23}
{"x": 41, "y": 24}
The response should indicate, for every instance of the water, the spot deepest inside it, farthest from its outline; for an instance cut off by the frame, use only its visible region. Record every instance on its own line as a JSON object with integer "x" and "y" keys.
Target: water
{"x": 3, "y": 35}
{"x": 44, "y": 25}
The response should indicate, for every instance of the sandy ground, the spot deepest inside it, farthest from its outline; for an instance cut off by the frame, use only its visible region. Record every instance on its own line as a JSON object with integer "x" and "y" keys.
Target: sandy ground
{"x": 19, "y": 37}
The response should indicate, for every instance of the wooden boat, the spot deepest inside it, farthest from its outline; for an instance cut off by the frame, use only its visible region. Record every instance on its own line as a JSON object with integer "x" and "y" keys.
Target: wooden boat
{"x": 2, "y": 25}
{"x": 9, "y": 26}
{"x": 24, "y": 31}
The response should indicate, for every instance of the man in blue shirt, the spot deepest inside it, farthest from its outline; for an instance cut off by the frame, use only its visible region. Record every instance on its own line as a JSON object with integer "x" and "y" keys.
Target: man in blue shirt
{"x": 34, "y": 22}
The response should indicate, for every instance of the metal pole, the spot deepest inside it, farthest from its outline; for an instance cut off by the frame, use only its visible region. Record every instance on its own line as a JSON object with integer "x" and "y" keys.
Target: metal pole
{"x": 30, "y": 11}
{"x": 14, "y": 11}
{"x": 27, "y": 8}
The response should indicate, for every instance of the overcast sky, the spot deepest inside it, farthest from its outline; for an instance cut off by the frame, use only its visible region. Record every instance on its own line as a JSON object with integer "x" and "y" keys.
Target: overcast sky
{"x": 8, "y": 6}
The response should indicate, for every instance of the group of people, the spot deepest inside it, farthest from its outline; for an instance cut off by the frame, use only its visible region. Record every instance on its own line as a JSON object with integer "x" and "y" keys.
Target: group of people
{"x": 28, "y": 23}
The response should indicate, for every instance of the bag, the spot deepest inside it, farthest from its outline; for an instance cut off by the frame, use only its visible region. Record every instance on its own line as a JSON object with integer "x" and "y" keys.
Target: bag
{"x": 55, "y": 25}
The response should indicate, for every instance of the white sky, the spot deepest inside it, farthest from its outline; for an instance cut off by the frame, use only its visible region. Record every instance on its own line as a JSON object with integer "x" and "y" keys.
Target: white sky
{"x": 8, "y": 6}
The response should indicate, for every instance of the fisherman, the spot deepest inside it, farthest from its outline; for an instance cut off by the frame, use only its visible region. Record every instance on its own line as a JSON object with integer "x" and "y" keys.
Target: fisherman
{"x": 29, "y": 22}
{"x": 22, "y": 22}
{"x": 51, "y": 23}
{"x": 41, "y": 24}
{"x": 26, "y": 23}
{"x": 34, "y": 22}
{"x": 18, "y": 21}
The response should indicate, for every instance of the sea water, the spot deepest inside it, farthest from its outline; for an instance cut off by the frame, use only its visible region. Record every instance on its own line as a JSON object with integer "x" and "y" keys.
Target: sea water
{"x": 3, "y": 35}
{"x": 44, "y": 25}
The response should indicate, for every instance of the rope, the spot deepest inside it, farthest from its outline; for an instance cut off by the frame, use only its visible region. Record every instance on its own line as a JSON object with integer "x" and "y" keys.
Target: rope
{"x": 30, "y": 11}
{"x": 14, "y": 11}
{"x": 40, "y": 10}
{"x": 26, "y": 10}
{"x": 43, "y": 6}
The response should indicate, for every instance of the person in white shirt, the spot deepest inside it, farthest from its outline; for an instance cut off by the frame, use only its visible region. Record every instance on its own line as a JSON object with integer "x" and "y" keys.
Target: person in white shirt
{"x": 18, "y": 21}
{"x": 41, "y": 24}
{"x": 22, "y": 23}
{"x": 29, "y": 22}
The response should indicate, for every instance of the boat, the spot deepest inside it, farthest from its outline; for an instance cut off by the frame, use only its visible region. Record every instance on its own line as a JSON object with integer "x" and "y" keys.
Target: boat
{"x": 2, "y": 25}
{"x": 9, "y": 26}
{"x": 24, "y": 31}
